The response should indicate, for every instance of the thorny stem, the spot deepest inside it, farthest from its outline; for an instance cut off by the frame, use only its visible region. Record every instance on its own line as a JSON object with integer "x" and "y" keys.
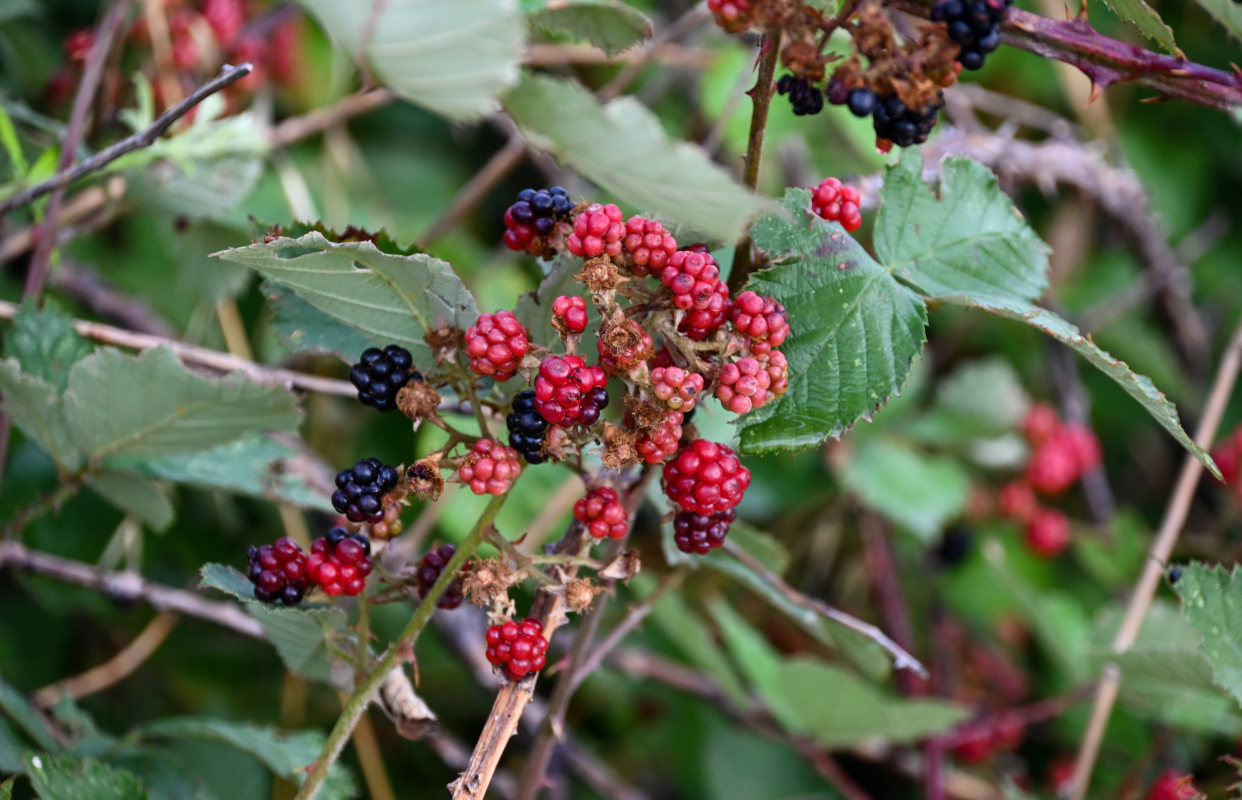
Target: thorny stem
{"x": 365, "y": 690}
{"x": 901, "y": 658}
{"x": 761, "y": 98}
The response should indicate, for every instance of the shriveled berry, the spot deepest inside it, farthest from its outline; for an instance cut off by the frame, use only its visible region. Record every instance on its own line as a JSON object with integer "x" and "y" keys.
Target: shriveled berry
{"x": 623, "y": 346}
{"x": 496, "y": 345}
{"x": 602, "y": 514}
{"x": 597, "y": 231}
{"x": 571, "y": 310}
{"x": 804, "y": 97}
{"x": 699, "y": 533}
{"x": 705, "y": 478}
{"x": 490, "y": 468}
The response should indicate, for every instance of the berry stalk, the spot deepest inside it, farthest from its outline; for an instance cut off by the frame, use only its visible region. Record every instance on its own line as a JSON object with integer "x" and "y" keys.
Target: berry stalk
{"x": 365, "y": 691}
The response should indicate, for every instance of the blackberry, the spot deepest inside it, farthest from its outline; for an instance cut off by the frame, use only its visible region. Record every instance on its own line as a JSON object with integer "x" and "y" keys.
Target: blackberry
{"x": 429, "y": 569}
{"x": 380, "y": 374}
{"x": 360, "y": 490}
{"x": 901, "y": 125}
{"x": 955, "y": 545}
{"x": 700, "y": 533}
{"x": 806, "y": 99}
{"x": 861, "y": 102}
{"x": 527, "y": 429}
{"x": 974, "y": 25}
{"x": 340, "y": 562}
{"x": 535, "y": 214}
{"x": 278, "y": 571}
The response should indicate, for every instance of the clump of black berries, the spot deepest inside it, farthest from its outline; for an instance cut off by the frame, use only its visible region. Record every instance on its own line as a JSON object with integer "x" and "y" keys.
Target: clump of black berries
{"x": 541, "y": 209}
{"x": 955, "y": 545}
{"x": 429, "y": 569}
{"x": 901, "y": 125}
{"x": 278, "y": 572}
{"x": 974, "y": 25}
{"x": 527, "y": 428}
{"x": 806, "y": 98}
{"x": 360, "y": 490}
{"x": 380, "y": 374}
{"x": 701, "y": 533}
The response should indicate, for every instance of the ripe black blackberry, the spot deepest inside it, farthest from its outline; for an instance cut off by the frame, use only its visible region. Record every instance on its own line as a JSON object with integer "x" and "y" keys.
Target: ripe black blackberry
{"x": 360, "y": 490}
{"x": 595, "y": 402}
{"x": 535, "y": 214}
{"x": 701, "y": 533}
{"x": 805, "y": 98}
{"x": 429, "y": 569}
{"x": 974, "y": 25}
{"x": 278, "y": 571}
{"x": 901, "y": 125}
{"x": 380, "y": 374}
{"x": 527, "y": 428}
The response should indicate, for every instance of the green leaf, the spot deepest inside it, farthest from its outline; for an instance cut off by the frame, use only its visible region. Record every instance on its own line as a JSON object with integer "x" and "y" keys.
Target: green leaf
{"x": 969, "y": 241}
{"x": 612, "y": 27}
{"x": 757, "y": 659}
{"x": 145, "y": 499}
{"x": 253, "y": 465}
{"x": 6, "y": 789}
{"x": 12, "y": 145}
{"x": 11, "y": 748}
{"x": 917, "y": 491}
{"x": 17, "y": 708}
{"x": 534, "y": 309}
{"x": 1210, "y": 599}
{"x": 387, "y": 298}
{"x": 64, "y": 778}
{"x": 1227, "y": 13}
{"x": 301, "y": 326}
{"x": 451, "y": 56}
{"x": 856, "y": 329}
{"x": 36, "y": 408}
{"x": 285, "y": 754}
{"x": 227, "y": 580}
{"x": 45, "y": 344}
{"x": 1137, "y": 386}
{"x": 151, "y": 405}
{"x": 1144, "y": 19}
{"x": 300, "y": 636}
{"x": 622, "y": 148}
{"x": 839, "y": 709}
{"x": 980, "y": 399}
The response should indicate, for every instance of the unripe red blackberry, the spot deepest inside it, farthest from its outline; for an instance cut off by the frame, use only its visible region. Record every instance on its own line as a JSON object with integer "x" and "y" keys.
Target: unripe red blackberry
{"x": 518, "y": 647}
{"x": 1172, "y": 785}
{"x": 1048, "y": 532}
{"x": 429, "y": 569}
{"x": 692, "y": 278}
{"x": 380, "y": 374}
{"x": 1082, "y": 442}
{"x": 490, "y": 468}
{"x": 602, "y": 514}
{"x": 676, "y": 388}
{"x": 743, "y": 385}
{"x": 1017, "y": 500}
{"x": 78, "y": 45}
{"x": 699, "y": 324}
{"x": 735, "y": 16}
{"x": 340, "y": 562}
{"x": 360, "y": 490}
{"x": 705, "y": 478}
{"x": 278, "y": 572}
{"x": 226, "y": 18}
{"x": 496, "y": 345}
{"x": 698, "y": 533}
{"x": 762, "y": 319}
{"x": 837, "y": 203}
{"x": 657, "y": 445}
{"x": 1053, "y": 467}
{"x": 565, "y": 390}
{"x": 531, "y": 221}
{"x": 597, "y": 231}
{"x": 571, "y": 311}
{"x": 647, "y": 246}
{"x": 777, "y": 367}
{"x": 1040, "y": 423}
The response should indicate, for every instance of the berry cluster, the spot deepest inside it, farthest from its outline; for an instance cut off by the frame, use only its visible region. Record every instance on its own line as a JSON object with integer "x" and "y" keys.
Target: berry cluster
{"x": 699, "y": 533}
{"x": 1172, "y": 785}
{"x": 647, "y": 246}
{"x": 380, "y": 374}
{"x": 571, "y": 310}
{"x": 977, "y": 741}
{"x": 904, "y": 126}
{"x": 1061, "y": 455}
{"x": 518, "y": 647}
{"x": 705, "y": 478}
{"x": 805, "y": 98}
{"x": 837, "y": 203}
{"x": 532, "y": 220}
{"x": 278, "y": 572}
{"x": 974, "y": 25}
{"x": 527, "y": 428}
{"x": 567, "y": 391}
{"x": 599, "y": 230}
{"x": 490, "y": 468}
{"x": 744, "y": 384}
{"x": 496, "y": 344}
{"x": 360, "y": 490}
{"x": 676, "y": 388}
{"x": 735, "y": 16}
{"x": 762, "y": 319}
{"x": 429, "y": 569}
{"x": 655, "y": 445}
{"x": 340, "y": 562}
{"x": 602, "y": 514}
{"x": 692, "y": 278}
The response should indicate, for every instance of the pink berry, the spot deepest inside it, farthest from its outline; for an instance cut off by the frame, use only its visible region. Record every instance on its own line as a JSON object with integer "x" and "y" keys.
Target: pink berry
{"x": 496, "y": 345}
{"x": 656, "y": 446}
{"x": 743, "y": 385}
{"x": 762, "y": 319}
{"x": 837, "y": 203}
{"x": 647, "y": 246}
{"x": 598, "y": 231}
{"x": 676, "y": 388}
{"x": 490, "y": 468}
{"x": 1048, "y": 532}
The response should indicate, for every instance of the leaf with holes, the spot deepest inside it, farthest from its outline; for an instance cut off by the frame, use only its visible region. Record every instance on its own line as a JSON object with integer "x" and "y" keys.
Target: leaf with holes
{"x": 612, "y": 27}
{"x": 302, "y": 327}
{"x": 450, "y": 56}
{"x": 622, "y": 147}
{"x": 855, "y": 331}
{"x": 1210, "y": 601}
{"x": 151, "y": 405}
{"x": 1137, "y": 386}
{"x": 970, "y": 240}
{"x": 387, "y": 298}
